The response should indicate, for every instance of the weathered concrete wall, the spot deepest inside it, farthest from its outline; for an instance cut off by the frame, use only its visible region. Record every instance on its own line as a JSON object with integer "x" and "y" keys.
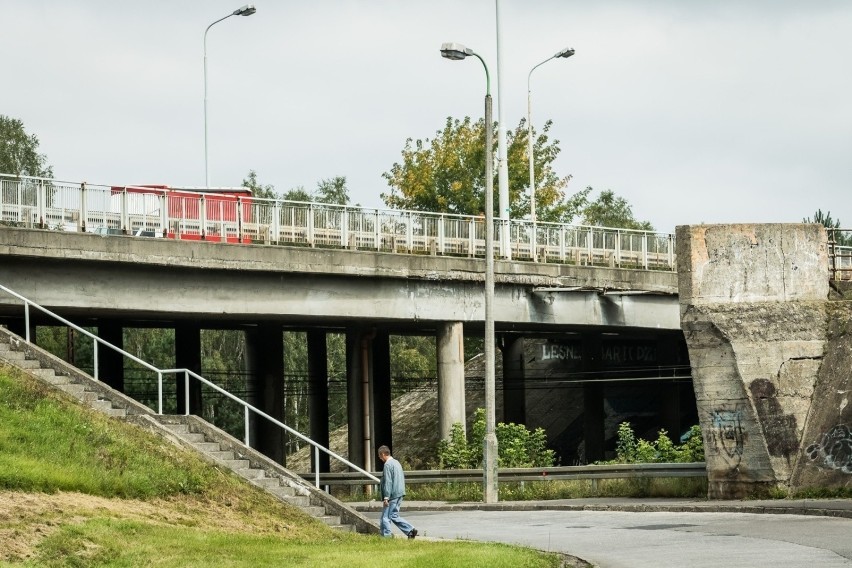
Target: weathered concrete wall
{"x": 756, "y": 317}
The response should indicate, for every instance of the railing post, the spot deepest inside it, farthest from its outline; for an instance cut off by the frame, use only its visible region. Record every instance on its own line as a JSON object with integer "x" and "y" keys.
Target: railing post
{"x": 344, "y": 228}
{"x": 671, "y": 253}
{"x": 239, "y": 220}
{"x": 202, "y": 216}
{"x": 84, "y": 210}
{"x": 27, "y": 321}
{"x": 378, "y": 232}
{"x": 246, "y": 437}
{"x": 125, "y": 223}
{"x": 317, "y": 466}
{"x": 309, "y": 224}
{"x": 442, "y": 232}
{"x": 95, "y": 359}
{"x": 159, "y": 392}
{"x": 276, "y": 223}
{"x": 645, "y": 251}
{"x": 186, "y": 392}
{"x": 164, "y": 213}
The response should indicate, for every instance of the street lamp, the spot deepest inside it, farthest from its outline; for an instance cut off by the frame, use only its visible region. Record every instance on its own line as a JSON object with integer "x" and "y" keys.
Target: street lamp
{"x": 246, "y": 10}
{"x": 456, "y": 52}
{"x": 567, "y": 52}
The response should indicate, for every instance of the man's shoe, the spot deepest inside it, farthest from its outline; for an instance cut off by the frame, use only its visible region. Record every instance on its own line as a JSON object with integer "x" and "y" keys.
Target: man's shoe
{"x": 412, "y": 534}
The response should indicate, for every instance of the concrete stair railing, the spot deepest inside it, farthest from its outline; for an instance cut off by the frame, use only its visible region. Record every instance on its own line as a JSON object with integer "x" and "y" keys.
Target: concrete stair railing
{"x": 191, "y": 432}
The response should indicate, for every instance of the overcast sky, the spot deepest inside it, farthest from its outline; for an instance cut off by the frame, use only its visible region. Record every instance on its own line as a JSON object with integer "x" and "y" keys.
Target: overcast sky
{"x": 694, "y": 111}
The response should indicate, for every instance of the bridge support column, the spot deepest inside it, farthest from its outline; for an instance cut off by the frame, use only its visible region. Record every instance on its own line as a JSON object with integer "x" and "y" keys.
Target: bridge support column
{"x": 594, "y": 414}
{"x": 514, "y": 387}
{"x": 358, "y": 396}
{"x": 760, "y": 331}
{"x": 318, "y": 396}
{"x": 110, "y": 361}
{"x": 188, "y": 356}
{"x": 451, "y": 393}
{"x": 381, "y": 380}
{"x": 265, "y": 359}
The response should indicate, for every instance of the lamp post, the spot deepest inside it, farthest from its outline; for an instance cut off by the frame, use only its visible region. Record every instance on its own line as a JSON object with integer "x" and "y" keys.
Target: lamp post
{"x": 502, "y": 160}
{"x": 246, "y": 10}
{"x": 567, "y": 52}
{"x": 456, "y": 51}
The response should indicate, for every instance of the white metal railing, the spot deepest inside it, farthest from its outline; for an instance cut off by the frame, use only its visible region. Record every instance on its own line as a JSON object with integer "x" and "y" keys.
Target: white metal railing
{"x": 248, "y": 408}
{"x": 840, "y": 253}
{"x": 182, "y": 214}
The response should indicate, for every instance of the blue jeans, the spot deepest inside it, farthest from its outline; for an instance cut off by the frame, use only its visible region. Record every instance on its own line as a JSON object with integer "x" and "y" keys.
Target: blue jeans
{"x": 390, "y": 514}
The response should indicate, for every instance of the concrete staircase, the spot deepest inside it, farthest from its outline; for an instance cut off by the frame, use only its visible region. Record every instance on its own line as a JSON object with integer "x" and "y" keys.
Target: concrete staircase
{"x": 191, "y": 432}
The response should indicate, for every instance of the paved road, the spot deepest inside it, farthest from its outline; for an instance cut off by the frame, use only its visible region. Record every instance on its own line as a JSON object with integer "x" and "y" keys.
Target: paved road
{"x": 614, "y": 539}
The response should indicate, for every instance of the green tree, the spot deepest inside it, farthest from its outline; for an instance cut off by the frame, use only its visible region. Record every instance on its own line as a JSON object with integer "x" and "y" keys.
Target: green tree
{"x": 19, "y": 151}
{"x": 446, "y": 173}
{"x": 298, "y": 193}
{"x": 610, "y": 210}
{"x": 262, "y": 191}
{"x": 332, "y": 190}
{"x": 833, "y": 226}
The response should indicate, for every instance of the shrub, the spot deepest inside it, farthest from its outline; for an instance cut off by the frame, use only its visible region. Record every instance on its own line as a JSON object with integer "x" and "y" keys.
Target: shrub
{"x": 629, "y": 449}
{"x": 517, "y": 446}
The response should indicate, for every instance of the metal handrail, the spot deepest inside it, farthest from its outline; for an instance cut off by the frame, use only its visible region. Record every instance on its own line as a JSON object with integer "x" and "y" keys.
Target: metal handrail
{"x": 248, "y": 408}
{"x": 507, "y": 475}
{"x": 190, "y": 213}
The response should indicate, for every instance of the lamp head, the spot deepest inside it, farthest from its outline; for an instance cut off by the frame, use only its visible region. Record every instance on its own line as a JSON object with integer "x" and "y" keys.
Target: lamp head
{"x": 567, "y": 52}
{"x": 455, "y": 51}
{"x": 246, "y": 10}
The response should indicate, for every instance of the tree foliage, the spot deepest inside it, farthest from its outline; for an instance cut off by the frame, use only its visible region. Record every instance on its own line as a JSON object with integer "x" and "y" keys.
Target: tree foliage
{"x": 833, "y": 226}
{"x": 447, "y": 173}
{"x": 331, "y": 190}
{"x": 610, "y": 210}
{"x": 19, "y": 151}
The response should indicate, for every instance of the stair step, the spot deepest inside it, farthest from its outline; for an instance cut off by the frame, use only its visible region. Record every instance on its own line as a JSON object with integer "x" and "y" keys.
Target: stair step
{"x": 73, "y": 389}
{"x": 285, "y": 491}
{"x": 207, "y": 446}
{"x": 28, "y": 364}
{"x": 269, "y": 482}
{"x": 14, "y": 356}
{"x": 251, "y": 473}
{"x": 117, "y": 412}
{"x": 178, "y": 428}
{"x": 331, "y": 520}
{"x": 296, "y": 500}
{"x": 235, "y": 465}
{"x": 192, "y": 437}
{"x": 225, "y": 456}
{"x": 47, "y": 374}
{"x": 102, "y": 405}
{"x": 344, "y": 528}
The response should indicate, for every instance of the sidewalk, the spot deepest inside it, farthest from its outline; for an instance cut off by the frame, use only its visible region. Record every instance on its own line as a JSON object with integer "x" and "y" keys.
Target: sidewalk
{"x": 820, "y": 507}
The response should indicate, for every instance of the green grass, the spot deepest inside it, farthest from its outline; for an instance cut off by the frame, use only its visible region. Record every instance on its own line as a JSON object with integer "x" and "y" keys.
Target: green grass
{"x": 106, "y": 542}
{"x": 83, "y": 490}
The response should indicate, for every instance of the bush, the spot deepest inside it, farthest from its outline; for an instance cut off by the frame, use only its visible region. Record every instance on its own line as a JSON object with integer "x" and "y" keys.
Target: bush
{"x": 629, "y": 449}
{"x": 517, "y": 446}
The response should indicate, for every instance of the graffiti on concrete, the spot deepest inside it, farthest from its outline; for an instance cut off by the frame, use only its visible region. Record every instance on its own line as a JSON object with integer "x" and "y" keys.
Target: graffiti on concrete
{"x": 833, "y": 449}
{"x": 728, "y": 436}
{"x": 779, "y": 428}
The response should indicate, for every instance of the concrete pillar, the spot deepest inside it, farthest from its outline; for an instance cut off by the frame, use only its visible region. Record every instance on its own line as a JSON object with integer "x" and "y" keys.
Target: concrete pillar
{"x": 451, "y": 393}
{"x": 357, "y": 397}
{"x": 594, "y": 414}
{"x": 18, "y": 326}
{"x": 110, "y": 361}
{"x": 318, "y": 395}
{"x": 265, "y": 359}
{"x": 188, "y": 356}
{"x": 514, "y": 387}
{"x": 381, "y": 381}
{"x": 753, "y": 302}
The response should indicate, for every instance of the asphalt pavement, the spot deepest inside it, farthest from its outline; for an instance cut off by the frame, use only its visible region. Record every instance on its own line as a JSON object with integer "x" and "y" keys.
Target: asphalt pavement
{"x": 653, "y": 533}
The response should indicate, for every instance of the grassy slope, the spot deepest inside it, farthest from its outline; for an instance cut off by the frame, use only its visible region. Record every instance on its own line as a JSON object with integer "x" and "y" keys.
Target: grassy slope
{"x": 80, "y": 489}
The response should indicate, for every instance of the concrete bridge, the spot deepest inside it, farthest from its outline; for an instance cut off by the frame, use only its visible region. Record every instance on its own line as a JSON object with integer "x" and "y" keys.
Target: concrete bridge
{"x": 579, "y": 321}
{"x": 765, "y": 342}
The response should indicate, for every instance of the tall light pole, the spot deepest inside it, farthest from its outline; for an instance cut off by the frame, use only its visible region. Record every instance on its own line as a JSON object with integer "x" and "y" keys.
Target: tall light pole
{"x": 246, "y": 10}
{"x": 567, "y": 52}
{"x": 502, "y": 161}
{"x": 456, "y": 51}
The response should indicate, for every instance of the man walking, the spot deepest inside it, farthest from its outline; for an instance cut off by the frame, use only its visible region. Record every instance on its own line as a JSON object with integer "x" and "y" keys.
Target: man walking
{"x": 393, "y": 490}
